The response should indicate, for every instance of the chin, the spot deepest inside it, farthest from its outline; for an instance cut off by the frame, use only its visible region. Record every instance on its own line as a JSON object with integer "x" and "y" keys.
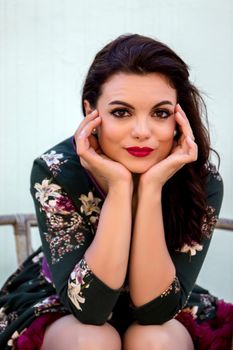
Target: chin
{"x": 137, "y": 169}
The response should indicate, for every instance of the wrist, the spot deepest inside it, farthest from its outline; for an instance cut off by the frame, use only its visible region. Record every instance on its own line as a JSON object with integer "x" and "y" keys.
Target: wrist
{"x": 150, "y": 187}
{"x": 120, "y": 188}
{"x": 151, "y": 195}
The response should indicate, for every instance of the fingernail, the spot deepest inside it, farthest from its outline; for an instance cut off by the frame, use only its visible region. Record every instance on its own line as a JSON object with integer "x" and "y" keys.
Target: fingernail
{"x": 94, "y": 112}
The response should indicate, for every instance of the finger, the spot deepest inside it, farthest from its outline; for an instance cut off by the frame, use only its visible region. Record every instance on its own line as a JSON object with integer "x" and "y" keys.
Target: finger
{"x": 188, "y": 126}
{"x": 192, "y": 148}
{"x": 81, "y": 138}
{"x": 88, "y": 127}
{"x": 181, "y": 111}
{"x": 87, "y": 119}
{"x": 187, "y": 152}
{"x": 184, "y": 126}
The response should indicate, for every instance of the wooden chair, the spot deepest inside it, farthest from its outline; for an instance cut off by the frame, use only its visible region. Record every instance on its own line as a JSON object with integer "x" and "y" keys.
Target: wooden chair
{"x": 22, "y": 224}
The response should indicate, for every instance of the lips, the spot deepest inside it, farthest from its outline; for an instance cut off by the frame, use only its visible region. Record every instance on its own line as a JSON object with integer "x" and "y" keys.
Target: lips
{"x": 139, "y": 151}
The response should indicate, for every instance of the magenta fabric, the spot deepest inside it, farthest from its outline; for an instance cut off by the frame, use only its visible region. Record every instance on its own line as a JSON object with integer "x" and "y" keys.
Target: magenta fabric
{"x": 33, "y": 336}
{"x": 46, "y": 270}
{"x": 213, "y": 334}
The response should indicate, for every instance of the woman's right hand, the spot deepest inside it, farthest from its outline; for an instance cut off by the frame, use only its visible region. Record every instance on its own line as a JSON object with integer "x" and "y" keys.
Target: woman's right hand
{"x": 107, "y": 172}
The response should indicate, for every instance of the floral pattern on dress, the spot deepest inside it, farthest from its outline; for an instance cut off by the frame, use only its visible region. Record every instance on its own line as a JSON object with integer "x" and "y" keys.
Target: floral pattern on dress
{"x": 3, "y": 320}
{"x": 213, "y": 170}
{"x": 174, "y": 287}
{"x": 53, "y": 161}
{"x": 90, "y": 208}
{"x": 80, "y": 279}
{"x": 208, "y": 225}
{"x": 65, "y": 228}
{"x": 49, "y": 304}
{"x": 12, "y": 342}
{"x": 191, "y": 249}
{"x": 209, "y": 221}
{"x": 6, "y": 319}
{"x": 46, "y": 190}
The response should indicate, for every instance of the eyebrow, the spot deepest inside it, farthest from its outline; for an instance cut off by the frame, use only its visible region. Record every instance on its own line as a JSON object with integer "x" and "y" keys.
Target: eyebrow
{"x": 117, "y": 102}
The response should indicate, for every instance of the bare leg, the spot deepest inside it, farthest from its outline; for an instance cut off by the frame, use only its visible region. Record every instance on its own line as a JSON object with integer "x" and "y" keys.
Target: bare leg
{"x": 171, "y": 335}
{"x": 67, "y": 333}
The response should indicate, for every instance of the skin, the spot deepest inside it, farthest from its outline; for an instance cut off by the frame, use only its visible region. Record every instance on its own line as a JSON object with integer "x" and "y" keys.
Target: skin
{"x": 137, "y": 219}
{"x": 140, "y": 127}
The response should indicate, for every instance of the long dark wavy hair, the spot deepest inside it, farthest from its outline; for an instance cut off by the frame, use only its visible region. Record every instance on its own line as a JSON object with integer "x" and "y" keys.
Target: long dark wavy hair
{"x": 183, "y": 199}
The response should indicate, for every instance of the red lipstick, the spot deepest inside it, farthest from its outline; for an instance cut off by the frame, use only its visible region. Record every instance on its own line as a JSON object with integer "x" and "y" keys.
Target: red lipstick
{"x": 139, "y": 151}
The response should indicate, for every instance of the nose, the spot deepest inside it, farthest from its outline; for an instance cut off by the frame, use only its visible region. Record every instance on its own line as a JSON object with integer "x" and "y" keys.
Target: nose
{"x": 141, "y": 129}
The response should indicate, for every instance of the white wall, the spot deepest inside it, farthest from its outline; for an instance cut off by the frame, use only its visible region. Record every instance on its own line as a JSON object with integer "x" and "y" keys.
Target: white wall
{"x": 46, "y": 47}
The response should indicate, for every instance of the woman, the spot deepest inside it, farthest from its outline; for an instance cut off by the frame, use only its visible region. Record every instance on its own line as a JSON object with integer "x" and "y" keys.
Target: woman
{"x": 126, "y": 210}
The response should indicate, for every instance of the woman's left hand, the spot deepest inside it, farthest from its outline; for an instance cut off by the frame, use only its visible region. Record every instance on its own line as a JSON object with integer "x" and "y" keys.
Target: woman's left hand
{"x": 184, "y": 151}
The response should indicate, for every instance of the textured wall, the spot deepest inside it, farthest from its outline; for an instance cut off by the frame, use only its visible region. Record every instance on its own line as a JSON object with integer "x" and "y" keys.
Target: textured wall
{"x": 46, "y": 47}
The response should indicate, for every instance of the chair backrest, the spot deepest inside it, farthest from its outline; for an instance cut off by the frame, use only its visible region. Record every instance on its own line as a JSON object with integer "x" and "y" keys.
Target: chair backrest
{"x": 22, "y": 224}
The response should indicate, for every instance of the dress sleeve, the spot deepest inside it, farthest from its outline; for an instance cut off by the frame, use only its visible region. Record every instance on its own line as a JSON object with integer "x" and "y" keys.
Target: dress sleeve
{"x": 188, "y": 262}
{"x": 67, "y": 220}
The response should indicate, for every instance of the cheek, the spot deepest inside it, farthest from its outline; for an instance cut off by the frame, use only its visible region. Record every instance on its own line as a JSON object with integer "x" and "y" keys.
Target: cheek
{"x": 166, "y": 133}
{"x": 166, "y": 140}
{"x": 108, "y": 133}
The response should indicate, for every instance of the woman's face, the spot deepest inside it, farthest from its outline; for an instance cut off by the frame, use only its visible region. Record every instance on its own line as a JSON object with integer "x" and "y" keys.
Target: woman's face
{"x": 138, "y": 124}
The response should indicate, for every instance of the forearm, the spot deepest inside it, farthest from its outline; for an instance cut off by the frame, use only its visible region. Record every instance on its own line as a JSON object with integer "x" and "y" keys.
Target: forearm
{"x": 151, "y": 267}
{"x": 108, "y": 254}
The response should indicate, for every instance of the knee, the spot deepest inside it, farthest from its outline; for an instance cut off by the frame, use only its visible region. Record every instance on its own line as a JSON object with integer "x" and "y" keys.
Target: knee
{"x": 69, "y": 333}
{"x": 139, "y": 337}
{"x": 99, "y": 338}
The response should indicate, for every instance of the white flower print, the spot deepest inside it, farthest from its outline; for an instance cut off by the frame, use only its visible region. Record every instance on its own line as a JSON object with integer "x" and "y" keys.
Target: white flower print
{"x": 191, "y": 249}
{"x": 46, "y": 190}
{"x": 52, "y": 158}
{"x": 79, "y": 280}
{"x": 54, "y": 161}
{"x": 89, "y": 204}
{"x": 74, "y": 295}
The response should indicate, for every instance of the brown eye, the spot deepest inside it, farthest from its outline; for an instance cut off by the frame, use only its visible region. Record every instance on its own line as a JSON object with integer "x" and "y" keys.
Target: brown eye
{"x": 120, "y": 113}
{"x": 162, "y": 113}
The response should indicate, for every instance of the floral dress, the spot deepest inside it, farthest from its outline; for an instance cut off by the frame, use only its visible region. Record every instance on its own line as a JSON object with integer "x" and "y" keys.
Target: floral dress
{"x": 56, "y": 279}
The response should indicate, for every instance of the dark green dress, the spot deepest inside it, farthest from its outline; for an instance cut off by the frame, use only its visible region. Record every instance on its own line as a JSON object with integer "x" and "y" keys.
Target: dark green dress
{"x": 57, "y": 279}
